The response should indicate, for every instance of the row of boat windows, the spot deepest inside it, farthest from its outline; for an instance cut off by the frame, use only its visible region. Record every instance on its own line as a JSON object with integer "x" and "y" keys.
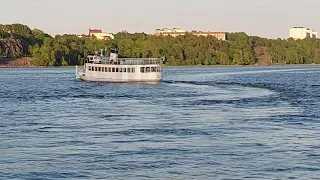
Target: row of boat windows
{"x": 125, "y": 70}
{"x": 109, "y": 69}
{"x": 150, "y": 69}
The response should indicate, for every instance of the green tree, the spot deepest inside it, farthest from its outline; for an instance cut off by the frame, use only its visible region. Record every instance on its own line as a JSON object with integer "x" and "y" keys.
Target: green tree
{"x": 316, "y": 58}
{"x": 292, "y": 56}
{"x": 224, "y": 59}
{"x": 182, "y": 50}
{"x": 64, "y": 62}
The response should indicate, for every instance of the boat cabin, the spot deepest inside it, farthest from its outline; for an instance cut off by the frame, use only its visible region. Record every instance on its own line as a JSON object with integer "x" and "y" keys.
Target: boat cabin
{"x": 99, "y": 67}
{"x": 94, "y": 59}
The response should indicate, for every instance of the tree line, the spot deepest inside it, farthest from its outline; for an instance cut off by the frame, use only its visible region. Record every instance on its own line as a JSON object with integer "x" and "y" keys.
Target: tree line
{"x": 238, "y": 49}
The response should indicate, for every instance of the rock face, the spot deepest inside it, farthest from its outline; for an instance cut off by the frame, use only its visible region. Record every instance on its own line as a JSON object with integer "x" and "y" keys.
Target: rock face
{"x": 20, "y": 62}
{"x": 12, "y": 48}
{"x": 12, "y": 51}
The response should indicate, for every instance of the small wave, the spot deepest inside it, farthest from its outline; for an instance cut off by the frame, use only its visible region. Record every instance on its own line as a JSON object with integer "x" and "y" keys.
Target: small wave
{"x": 178, "y": 132}
{"x": 247, "y": 102}
{"x": 296, "y": 168}
{"x": 116, "y": 115}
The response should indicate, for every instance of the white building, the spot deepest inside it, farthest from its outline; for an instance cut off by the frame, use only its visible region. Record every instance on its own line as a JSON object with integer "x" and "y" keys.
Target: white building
{"x": 97, "y": 33}
{"x": 100, "y": 35}
{"x": 173, "y": 32}
{"x": 177, "y": 32}
{"x": 302, "y": 33}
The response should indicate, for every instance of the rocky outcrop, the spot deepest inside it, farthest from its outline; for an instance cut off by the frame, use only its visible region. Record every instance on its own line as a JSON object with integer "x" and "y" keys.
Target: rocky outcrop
{"x": 20, "y": 62}
{"x": 12, "y": 48}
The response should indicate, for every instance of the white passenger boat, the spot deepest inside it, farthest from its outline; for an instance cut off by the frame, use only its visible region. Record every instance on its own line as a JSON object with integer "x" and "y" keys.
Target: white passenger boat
{"x": 100, "y": 68}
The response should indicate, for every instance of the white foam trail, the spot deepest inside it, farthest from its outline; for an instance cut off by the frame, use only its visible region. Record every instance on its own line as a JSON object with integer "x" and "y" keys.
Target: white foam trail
{"x": 265, "y": 71}
{"x": 231, "y": 92}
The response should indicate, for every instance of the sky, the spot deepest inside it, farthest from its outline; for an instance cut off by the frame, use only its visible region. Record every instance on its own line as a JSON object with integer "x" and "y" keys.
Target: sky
{"x": 265, "y": 18}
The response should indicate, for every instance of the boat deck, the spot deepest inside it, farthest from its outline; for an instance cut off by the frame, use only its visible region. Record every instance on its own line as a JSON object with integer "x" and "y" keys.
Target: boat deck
{"x": 132, "y": 61}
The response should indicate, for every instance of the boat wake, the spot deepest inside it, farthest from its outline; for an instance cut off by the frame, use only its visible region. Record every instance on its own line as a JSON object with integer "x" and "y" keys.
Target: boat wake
{"x": 244, "y": 100}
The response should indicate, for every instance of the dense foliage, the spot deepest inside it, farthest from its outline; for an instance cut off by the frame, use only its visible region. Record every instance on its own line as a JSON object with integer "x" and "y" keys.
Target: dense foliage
{"x": 239, "y": 49}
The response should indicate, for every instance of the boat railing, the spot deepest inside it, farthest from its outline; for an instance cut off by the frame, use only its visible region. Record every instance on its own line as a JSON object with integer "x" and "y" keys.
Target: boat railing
{"x": 133, "y": 61}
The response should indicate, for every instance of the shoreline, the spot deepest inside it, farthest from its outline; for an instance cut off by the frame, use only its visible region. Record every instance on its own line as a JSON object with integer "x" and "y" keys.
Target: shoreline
{"x": 35, "y": 67}
{"x": 272, "y": 65}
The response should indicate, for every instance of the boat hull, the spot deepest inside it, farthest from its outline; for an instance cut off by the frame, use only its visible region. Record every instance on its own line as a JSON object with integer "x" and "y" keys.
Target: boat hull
{"x": 99, "y": 68}
{"x": 135, "y": 76}
{"x": 94, "y": 79}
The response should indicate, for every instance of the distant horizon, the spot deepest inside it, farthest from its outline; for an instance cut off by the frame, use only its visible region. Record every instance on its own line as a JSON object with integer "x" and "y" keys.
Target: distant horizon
{"x": 269, "y": 19}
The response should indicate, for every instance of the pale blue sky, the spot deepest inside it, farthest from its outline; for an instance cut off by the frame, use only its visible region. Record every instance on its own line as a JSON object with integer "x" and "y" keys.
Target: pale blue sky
{"x": 267, "y": 18}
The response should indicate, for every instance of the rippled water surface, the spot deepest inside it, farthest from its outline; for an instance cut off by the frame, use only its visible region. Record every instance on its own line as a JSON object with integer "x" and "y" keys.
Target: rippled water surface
{"x": 199, "y": 123}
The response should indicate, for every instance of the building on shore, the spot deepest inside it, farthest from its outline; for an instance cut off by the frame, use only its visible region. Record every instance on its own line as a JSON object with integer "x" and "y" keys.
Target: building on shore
{"x": 302, "y": 33}
{"x": 97, "y": 33}
{"x": 172, "y": 32}
{"x": 178, "y": 32}
{"x": 218, "y": 35}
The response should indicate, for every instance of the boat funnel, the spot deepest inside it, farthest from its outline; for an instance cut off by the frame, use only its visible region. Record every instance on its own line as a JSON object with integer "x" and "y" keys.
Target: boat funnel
{"x": 114, "y": 55}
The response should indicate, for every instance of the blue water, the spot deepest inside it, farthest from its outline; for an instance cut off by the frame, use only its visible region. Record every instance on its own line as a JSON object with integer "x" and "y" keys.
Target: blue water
{"x": 199, "y": 123}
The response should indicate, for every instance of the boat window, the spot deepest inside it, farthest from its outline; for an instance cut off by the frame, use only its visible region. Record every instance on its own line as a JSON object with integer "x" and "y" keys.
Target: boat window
{"x": 99, "y": 68}
{"x": 105, "y": 69}
{"x": 113, "y": 70}
{"x": 142, "y": 69}
{"x": 129, "y": 70}
{"x": 133, "y": 70}
{"x": 158, "y": 70}
{"x": 117, "y": 69}
{"x": 153, "y": 69}
{"x": 95, "y": 68}
{"x": 120, "y": 69}
{"x": 89, "y": 68}
{"x": 148, "y": 69}
{"x": 114, "y": 51}
{"x": 109, "y": 69}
